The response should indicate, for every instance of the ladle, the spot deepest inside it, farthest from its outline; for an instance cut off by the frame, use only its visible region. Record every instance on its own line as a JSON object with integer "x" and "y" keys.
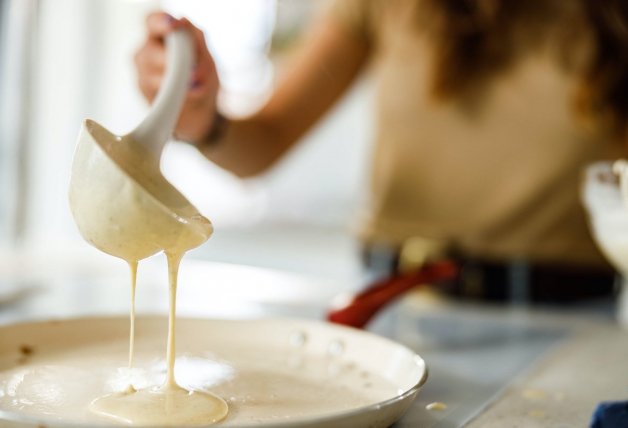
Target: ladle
{"x": 120, "y": 201}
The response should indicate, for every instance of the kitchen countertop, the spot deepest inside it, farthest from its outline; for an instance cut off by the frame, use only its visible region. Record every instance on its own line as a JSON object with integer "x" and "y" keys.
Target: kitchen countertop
{"x": 492, "y": 366}
{"x": 512, "y": 367}
{"x": 563, "y": 388}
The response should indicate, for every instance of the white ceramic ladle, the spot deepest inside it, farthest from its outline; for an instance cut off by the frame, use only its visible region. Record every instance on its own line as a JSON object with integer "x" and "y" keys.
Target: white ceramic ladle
{"x": 120, "y": 201}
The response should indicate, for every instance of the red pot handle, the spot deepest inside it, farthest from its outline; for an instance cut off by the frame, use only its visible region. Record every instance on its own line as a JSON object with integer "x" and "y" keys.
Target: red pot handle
{"x": 364, "y": 305}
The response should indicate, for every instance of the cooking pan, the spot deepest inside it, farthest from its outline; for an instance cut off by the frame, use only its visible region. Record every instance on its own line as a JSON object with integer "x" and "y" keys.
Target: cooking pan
{"x": 272, "y": 372}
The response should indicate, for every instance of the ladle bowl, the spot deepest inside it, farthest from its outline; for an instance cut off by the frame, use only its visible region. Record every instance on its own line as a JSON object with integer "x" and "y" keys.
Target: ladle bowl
{"x": 121, "y": 202}
{"x": 119, "y": 199}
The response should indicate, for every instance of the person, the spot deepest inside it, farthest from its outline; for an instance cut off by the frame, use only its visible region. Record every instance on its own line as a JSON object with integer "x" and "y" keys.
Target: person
{"x": 487, "y": 111}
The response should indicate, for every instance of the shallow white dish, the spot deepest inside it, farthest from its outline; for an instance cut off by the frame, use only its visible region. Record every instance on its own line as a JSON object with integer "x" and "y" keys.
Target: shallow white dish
{"x": 265, "y": 369}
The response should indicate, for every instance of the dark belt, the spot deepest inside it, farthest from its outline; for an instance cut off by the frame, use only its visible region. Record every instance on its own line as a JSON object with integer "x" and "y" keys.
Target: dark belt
{"x": 519, "y": 281}
{"x": 514, "y": 281}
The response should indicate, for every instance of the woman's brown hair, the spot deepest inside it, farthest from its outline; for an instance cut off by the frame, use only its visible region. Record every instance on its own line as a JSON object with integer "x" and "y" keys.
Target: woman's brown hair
{"x": 604, "y": 89}
{"x": 475, "y": 39}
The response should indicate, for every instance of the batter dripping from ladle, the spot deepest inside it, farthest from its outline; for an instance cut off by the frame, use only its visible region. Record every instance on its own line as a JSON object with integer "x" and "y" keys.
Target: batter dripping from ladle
{"x": 124, "y": 206}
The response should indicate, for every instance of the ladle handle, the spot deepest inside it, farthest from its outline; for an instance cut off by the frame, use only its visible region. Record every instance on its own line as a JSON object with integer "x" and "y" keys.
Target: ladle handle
{"x": 156, "y": 128}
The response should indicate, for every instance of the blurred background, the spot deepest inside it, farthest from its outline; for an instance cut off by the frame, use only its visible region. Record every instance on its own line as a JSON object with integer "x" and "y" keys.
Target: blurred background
{"x": 62, "y": 61}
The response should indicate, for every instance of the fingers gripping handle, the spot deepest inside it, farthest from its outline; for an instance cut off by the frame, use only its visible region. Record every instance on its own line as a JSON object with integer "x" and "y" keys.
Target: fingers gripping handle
{"x": 156, "y": 128}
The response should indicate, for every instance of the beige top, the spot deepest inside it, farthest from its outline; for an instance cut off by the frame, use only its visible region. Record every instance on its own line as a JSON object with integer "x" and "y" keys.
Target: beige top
{"x": 500, "y": 183}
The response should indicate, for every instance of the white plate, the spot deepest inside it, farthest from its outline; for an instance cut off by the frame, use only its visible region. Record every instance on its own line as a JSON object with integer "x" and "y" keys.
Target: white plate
{"x": 272, "y": 372}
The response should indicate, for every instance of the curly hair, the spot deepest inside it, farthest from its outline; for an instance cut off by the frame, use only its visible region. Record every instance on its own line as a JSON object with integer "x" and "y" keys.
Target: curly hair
{"x": 604, "y": 88}
{"x": 476, "y": 39}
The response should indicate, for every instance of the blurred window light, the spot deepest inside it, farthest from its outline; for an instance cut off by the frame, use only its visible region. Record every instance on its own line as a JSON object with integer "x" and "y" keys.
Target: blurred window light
{"x": 17, "y": 19}
{"x": 238, "y": 33}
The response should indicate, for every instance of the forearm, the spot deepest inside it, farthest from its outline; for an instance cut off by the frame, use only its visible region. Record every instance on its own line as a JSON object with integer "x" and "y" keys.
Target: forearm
{"x": 246, "y": 147}
{"x": 317, "y": 79}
